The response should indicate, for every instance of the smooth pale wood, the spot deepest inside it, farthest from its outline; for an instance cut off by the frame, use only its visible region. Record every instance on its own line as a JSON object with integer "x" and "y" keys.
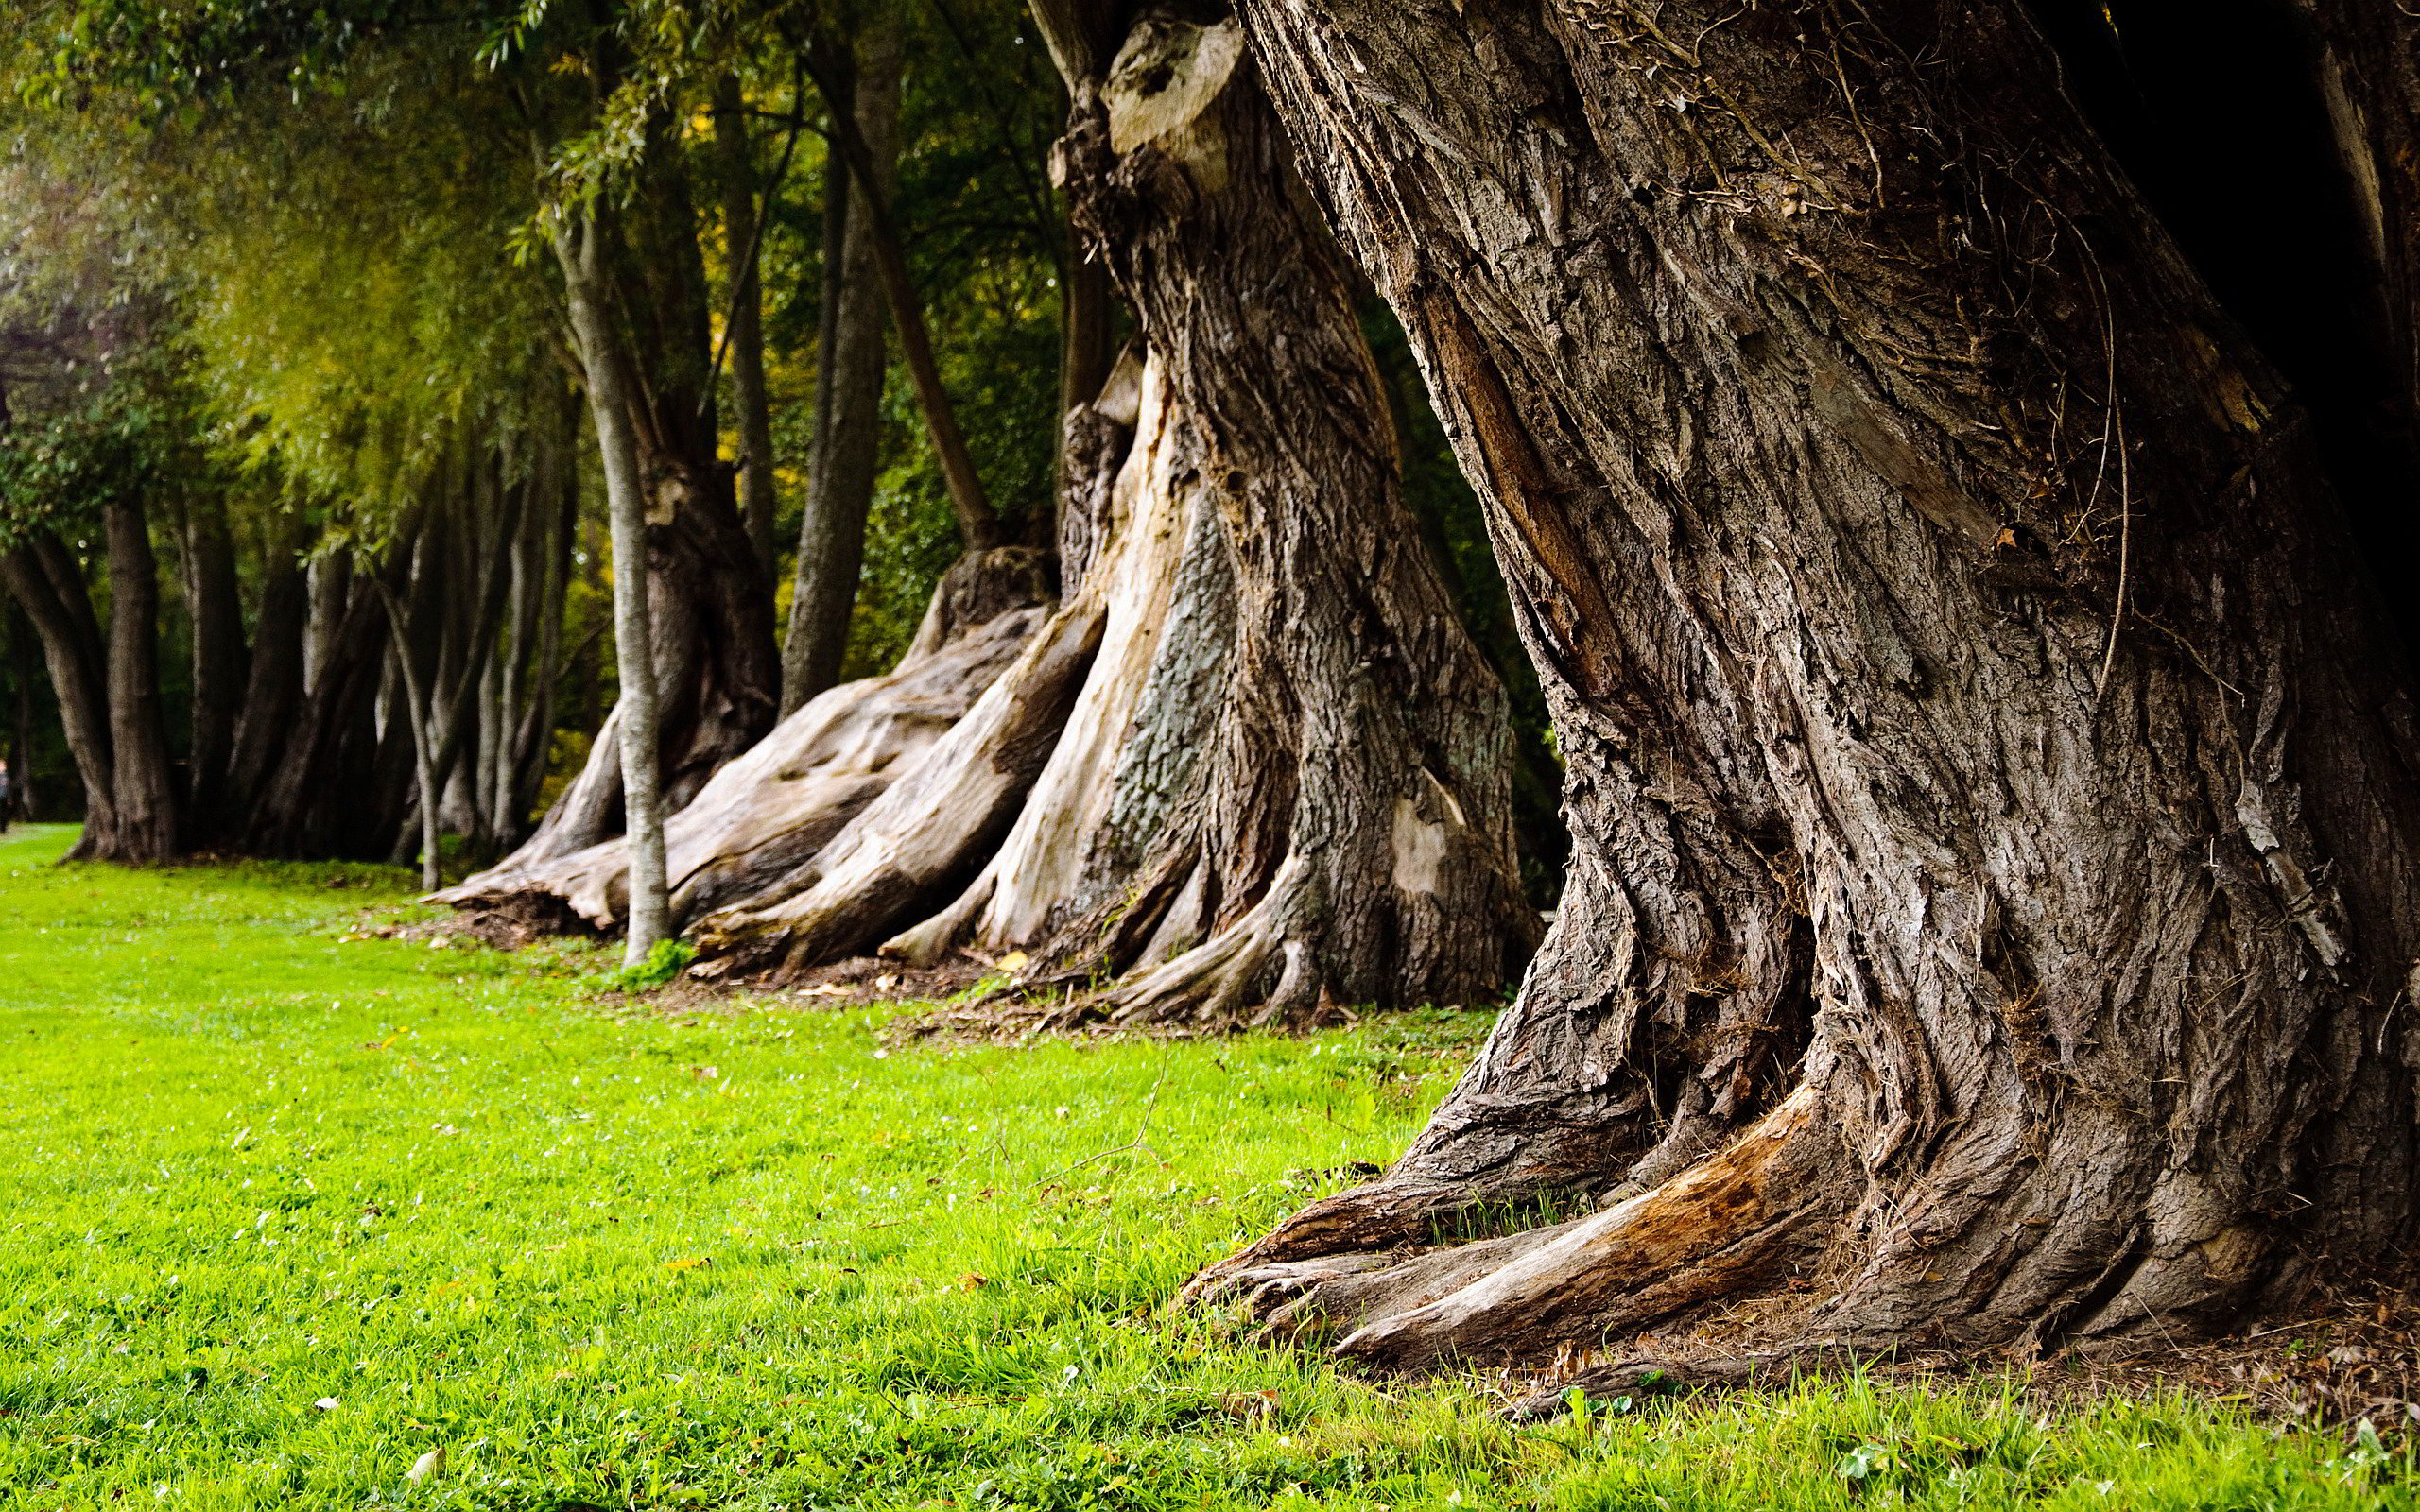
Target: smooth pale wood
{"x": 773, "y": 808}
{"x": 1043, "y": 860}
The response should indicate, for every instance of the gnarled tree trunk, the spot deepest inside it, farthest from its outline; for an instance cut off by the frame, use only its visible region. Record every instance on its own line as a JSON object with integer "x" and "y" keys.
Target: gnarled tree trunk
{"x": 1992, "y": 893}
{"x": 1251, "y": 764}
{"x": 1277, "y": 771}
{"x": 1308, "y": 762}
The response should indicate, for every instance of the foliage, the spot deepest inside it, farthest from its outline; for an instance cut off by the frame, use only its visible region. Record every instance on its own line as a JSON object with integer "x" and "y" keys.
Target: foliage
{"x": 134, "y": 431}
{"x": 666, "y": 960}
{"x": 293, "y": 1206}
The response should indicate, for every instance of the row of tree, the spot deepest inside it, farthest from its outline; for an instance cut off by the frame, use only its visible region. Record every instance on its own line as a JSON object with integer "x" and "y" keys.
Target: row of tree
{"x": 1943, "y": 539}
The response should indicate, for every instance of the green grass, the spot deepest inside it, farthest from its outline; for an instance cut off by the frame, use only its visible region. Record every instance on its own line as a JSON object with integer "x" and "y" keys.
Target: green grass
{"x": 610, "y": 1259}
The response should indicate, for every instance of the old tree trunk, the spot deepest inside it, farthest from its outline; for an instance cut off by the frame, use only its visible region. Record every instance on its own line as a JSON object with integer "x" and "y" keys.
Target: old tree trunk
{"x": 635, "y": 287}
{"x": 1277, "y": 771}
{"x": 1992, "y": 899}
{"x": 1250, "y": 765}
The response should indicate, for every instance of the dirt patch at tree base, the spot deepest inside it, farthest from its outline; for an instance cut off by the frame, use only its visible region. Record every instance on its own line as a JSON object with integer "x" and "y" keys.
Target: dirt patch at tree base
{"x": 2353, "y": 1357}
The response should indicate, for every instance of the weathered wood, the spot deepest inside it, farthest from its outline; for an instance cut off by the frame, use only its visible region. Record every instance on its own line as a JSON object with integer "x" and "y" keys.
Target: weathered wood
{"x": 1975, "y": 720}
{"x": 1286, "y": 781}
{"x": 907, "y": 849}
{"x": 771, "y": 811}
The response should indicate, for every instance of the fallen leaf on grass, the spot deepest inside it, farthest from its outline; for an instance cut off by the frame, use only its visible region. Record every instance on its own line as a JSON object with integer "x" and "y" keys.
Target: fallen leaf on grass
{"x": 428, "y": 1467}
{"x": 687, "y": 1262}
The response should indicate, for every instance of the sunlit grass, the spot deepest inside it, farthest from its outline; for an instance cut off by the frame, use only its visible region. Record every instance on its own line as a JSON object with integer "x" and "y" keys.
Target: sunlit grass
{"x": 288, "y": 1209}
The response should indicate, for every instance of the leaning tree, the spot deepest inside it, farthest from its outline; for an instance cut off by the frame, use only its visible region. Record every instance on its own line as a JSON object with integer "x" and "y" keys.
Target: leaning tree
{"x": 1252, "y": 763}
{"x": 1993, "y": 905}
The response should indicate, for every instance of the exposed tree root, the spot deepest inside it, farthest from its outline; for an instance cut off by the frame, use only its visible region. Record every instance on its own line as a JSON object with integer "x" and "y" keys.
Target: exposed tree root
{"x": 1744, "y": 1217}
{"x": 1288, "y": 789}
{"x": 772, "y": 809}
{"x": 1252, "y": 766}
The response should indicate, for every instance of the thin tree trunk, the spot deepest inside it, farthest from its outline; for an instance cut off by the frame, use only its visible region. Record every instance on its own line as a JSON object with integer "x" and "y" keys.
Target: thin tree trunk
{"x": 741, "y": 232}
{"x": 43, "y": 579}
{"x": 473, "y": 620}
{"x": 215, "y": 609}
{"x": 143, "y": 780}
{"x": 850, "y": 359}
{"x": 717, "y": 680}
{"x": 557, "y": 523}
{"x": 581, "y": 252}
{"x": 325, "y": 793}
{"x": 273, "y": 691}
{"x": 418, "y": 717}
{"x": 331, "y": 583}
{"x": 23, "y": 800}
{"x": 1996, "y": 862}
{"x": 978, "y": 526}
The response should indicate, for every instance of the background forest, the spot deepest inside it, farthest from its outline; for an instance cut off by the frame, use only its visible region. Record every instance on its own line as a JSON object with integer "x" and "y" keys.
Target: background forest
{"x": 277, "y": 329}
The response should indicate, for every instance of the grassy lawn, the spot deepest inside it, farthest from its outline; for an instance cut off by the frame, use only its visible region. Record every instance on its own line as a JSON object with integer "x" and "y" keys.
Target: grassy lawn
{"x": 287, "y": 1211}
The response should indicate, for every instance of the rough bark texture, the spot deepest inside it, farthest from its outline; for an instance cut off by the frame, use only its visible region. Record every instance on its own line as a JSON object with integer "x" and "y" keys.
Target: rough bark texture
{"x": 1307, "y": 763}
{"x": 1993, "y": 887}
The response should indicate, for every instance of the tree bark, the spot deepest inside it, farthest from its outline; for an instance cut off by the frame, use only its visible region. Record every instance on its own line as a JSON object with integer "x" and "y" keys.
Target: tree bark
{"x": 709, "y": 613}
{"x": 43, "y": 578}
{"x": 845, "y": 452}
{"x": 420, "y": 720}
{"x": 636, "y": 721}
{"x": 1994, "y": 870}
{"x": 215, "y": 613}
{"x": 143, "y": 783}
{"x": 1254, "y": 767}
{"x": 745, "y": 335}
